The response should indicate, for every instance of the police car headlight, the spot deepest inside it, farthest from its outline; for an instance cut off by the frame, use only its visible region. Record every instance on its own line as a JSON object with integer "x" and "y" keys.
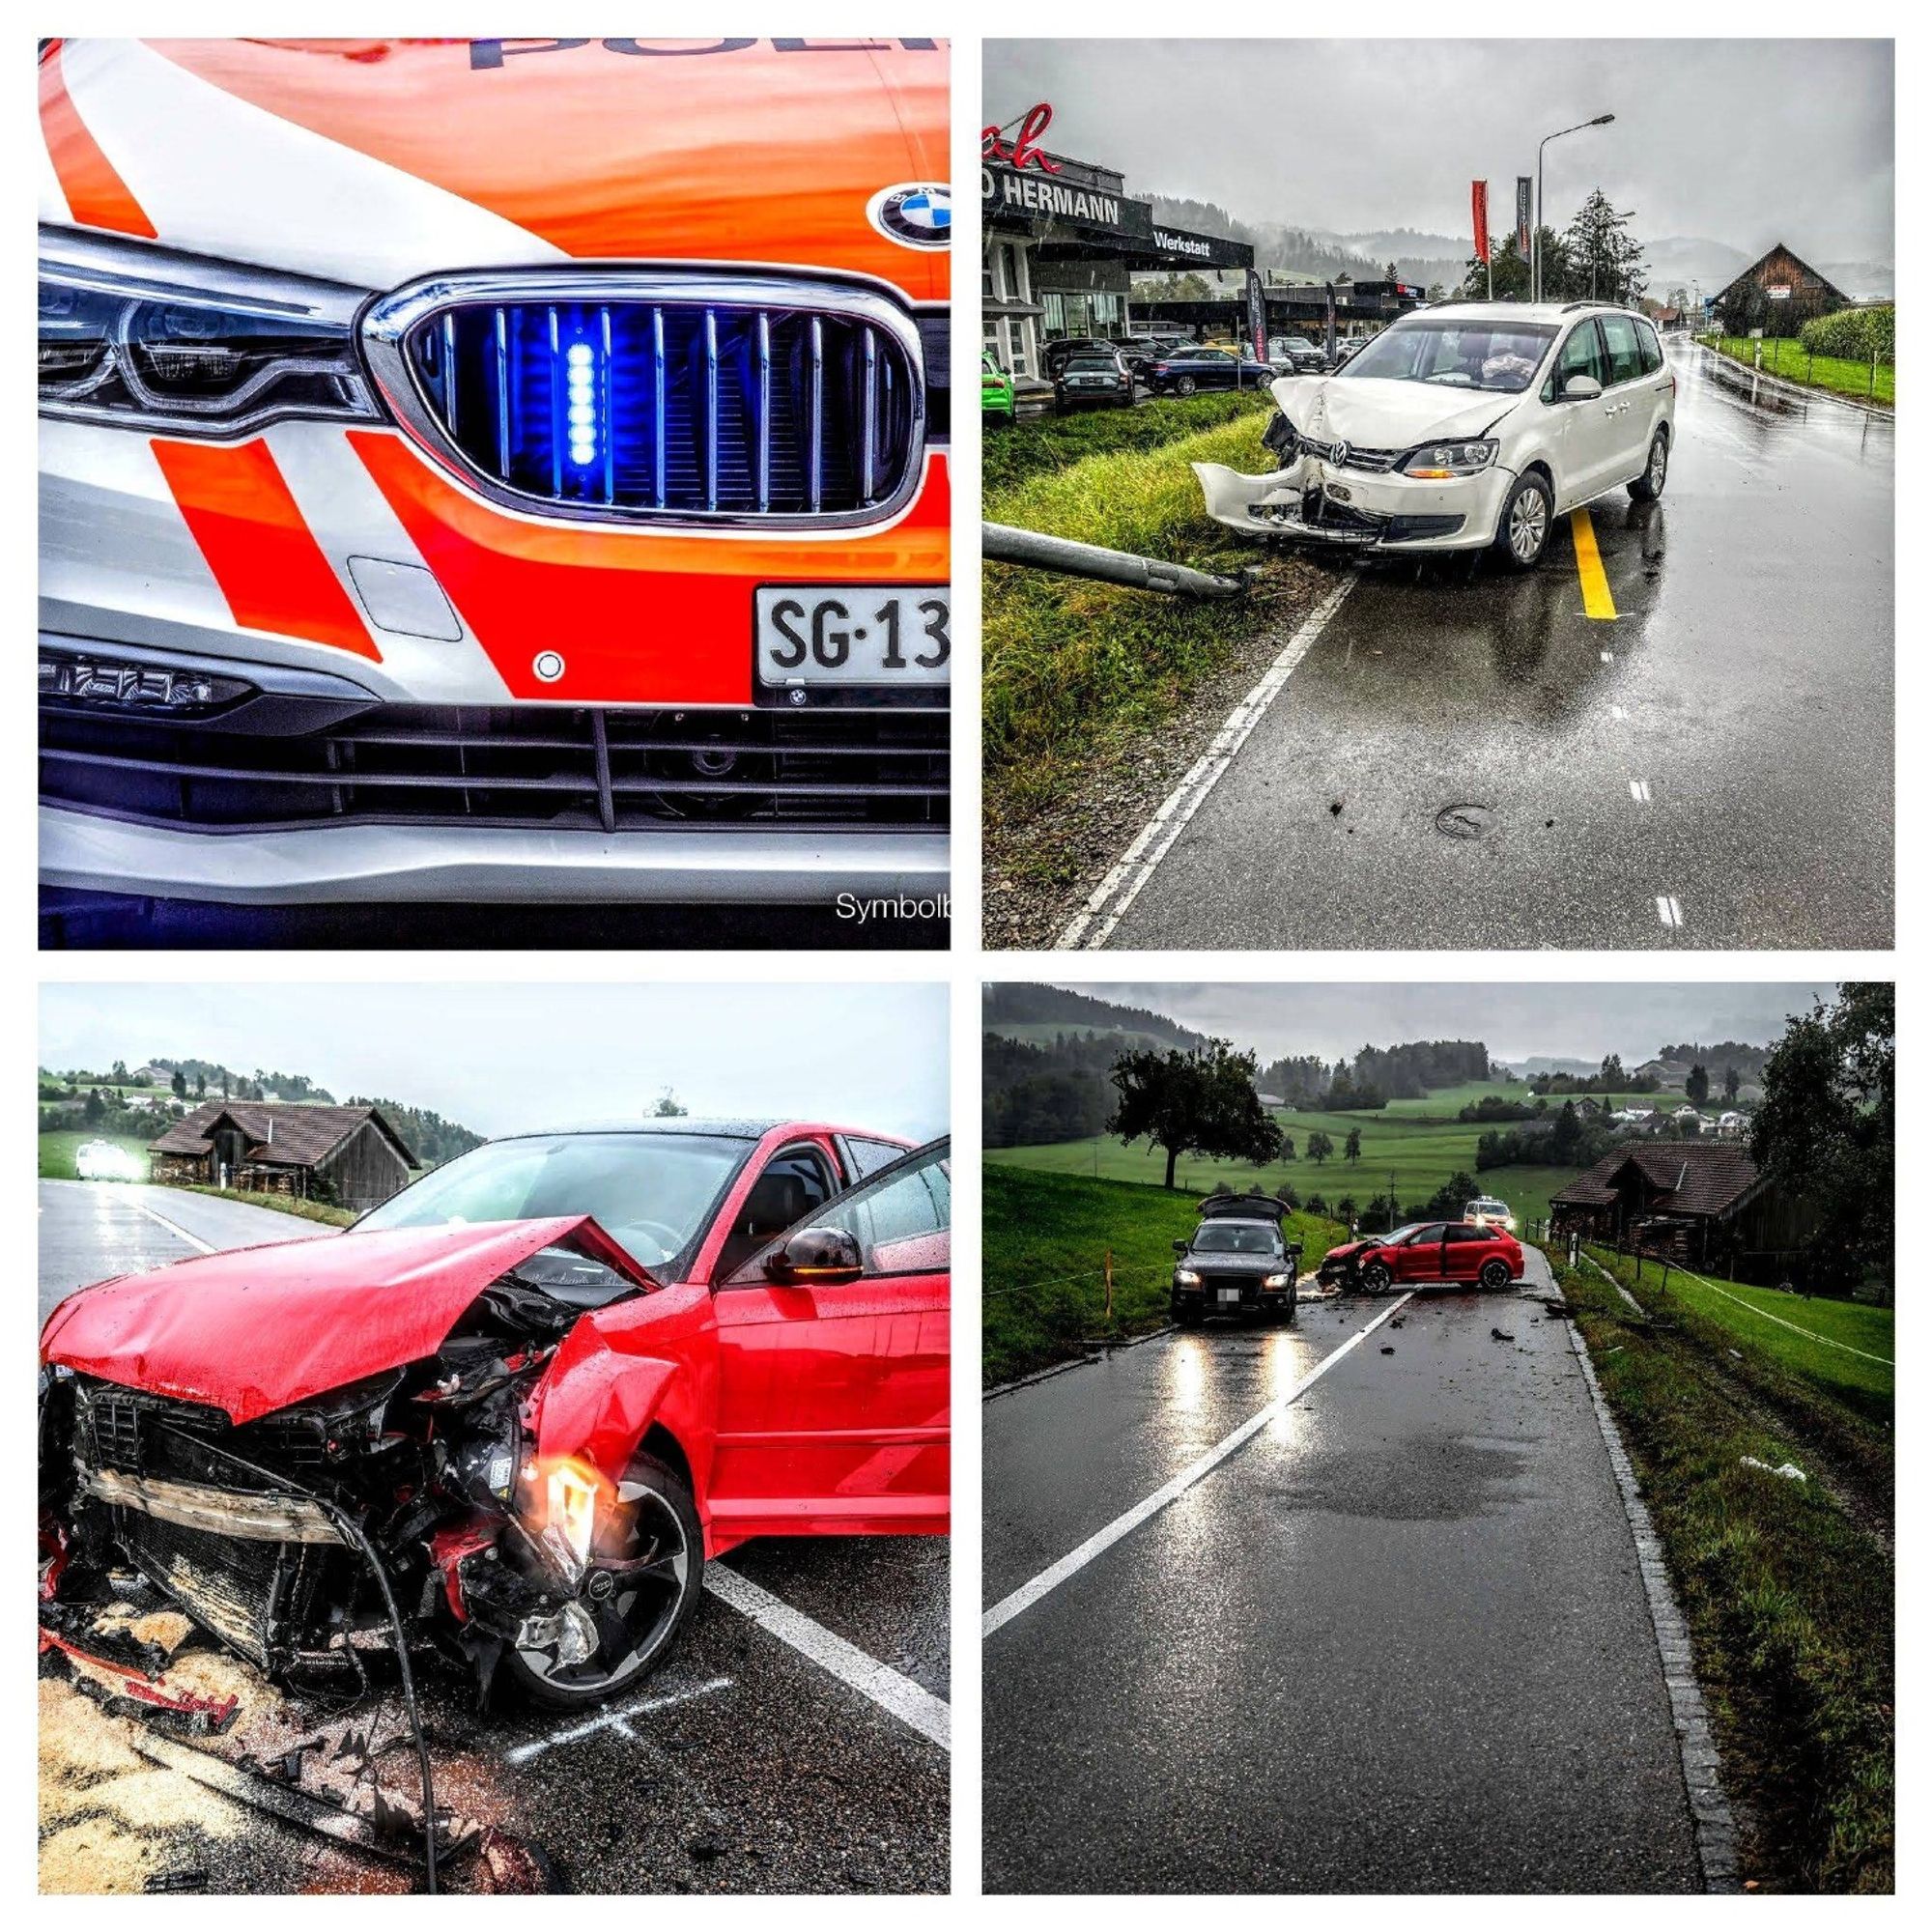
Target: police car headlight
{"x": 154, "y": 339}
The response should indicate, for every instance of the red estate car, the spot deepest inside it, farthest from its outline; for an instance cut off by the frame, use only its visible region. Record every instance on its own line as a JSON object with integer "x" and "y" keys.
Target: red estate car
{"x": 524, "y": 1399}
{"x": 1426, "y": 1251}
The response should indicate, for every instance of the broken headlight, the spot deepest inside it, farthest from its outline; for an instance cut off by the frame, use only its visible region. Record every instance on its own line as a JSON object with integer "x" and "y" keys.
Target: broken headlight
{"x": 1436, "y": 461}
{"x": 153, "y": 339}
{"x": 1280, "y": 437}
{"x": 569, "y": 1524}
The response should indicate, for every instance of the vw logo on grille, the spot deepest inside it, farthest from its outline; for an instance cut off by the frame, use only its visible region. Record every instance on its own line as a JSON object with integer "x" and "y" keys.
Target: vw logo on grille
{"x": 917, "y": 214}
{"x": 1341, "y": 453}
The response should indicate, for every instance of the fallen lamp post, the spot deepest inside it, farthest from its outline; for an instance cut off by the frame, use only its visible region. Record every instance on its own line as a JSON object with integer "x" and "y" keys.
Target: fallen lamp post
{"x": 1002, "y": 544}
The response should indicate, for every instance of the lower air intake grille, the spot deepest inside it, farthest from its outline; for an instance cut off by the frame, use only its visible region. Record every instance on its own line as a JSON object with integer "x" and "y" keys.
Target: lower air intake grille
{"x": 554, "y": 769}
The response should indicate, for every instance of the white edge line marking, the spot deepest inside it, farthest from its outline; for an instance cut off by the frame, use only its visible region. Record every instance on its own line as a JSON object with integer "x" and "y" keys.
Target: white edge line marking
{"x": 614, "y": 1721}
{"x": 911, "y": 1704}
{"x": 1192, "y": 793}
{"x": 1050, "y": 1580}
{"x": 1810, "y": 1334}
{"x": 173, "y": 1228}
{"x": 1640, "y": 790}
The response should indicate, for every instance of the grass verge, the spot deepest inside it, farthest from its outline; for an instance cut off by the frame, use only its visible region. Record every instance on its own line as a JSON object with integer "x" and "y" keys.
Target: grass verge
{"x": 281, "y": 1203}
{"x": 1788, "y": 1593}
{"x": 1047, "y": 1237}
{"x": 1045, "y": 445}
{"x": 1072, "y": 669}
{"x": 1785, "y": 356}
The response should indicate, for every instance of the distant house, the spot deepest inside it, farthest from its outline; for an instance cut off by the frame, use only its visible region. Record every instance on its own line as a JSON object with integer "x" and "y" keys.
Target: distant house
{"x": 347, "y": 1156}
{"x": 1699, "y": 1202}
{"x": 1271, "y": 1099}
{"x": 1643, "y": 1118}
{"x": 150, "y": 1076}
{"x": 1777, "y": 294}
{"x": 1733, "y": 1125}
{"x": 1688, "y": 1115}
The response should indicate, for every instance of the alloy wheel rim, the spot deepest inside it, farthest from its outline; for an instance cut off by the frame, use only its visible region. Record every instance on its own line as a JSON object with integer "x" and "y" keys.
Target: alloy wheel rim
{"x": 635, "y": 1615}
{"x": 1528, "y": 523}
{"x": 1656, "y": 463}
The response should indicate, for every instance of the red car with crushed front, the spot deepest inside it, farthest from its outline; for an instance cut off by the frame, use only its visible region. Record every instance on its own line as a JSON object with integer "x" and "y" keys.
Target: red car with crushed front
{"x": 515, "y": 1409}
{"x": 1425, "y": 1252}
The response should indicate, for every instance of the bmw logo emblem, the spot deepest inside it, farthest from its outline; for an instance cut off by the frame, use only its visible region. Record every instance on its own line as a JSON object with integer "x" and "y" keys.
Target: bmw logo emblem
{"x": 915, "y": 214}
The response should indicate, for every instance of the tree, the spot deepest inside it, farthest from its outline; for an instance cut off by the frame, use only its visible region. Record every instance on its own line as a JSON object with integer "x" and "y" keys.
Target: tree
{"x": 201, "y": 1085}
{"x": 94, "y": 1106}
{"x": 1824, "y": 1130}
{"x": 1198, "y": 1102}
{"x": 1604, "y": 261}
{"x": 1566, "y": 1136}
{"x": 1698, "y": 1085}
{"x": 1612, "y": 1073}
{"x": 1286, "y": 1147}
{"x": 1352, "y": 1146}
{"x": 1345, "y": 1209}
{"x": 1319, "y": 1147}
{"x": 180, "y": 1084}
{"x": 120, "y": 1073}
{"x": 1731, "y": 1085}
{"x": 668, "y": 1107}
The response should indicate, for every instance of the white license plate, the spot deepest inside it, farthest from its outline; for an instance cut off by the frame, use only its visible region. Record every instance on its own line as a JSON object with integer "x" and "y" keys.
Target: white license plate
{"x": 890, "y": 639}
{"x": 1231, "y": 1293}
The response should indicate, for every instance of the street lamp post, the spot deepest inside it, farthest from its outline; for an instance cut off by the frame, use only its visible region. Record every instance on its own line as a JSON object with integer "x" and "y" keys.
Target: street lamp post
{"x": 1536, "y": 237}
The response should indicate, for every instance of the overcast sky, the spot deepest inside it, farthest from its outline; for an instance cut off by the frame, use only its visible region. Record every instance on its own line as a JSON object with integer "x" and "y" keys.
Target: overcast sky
{"x": 498, "y": 1058}
{"x": 1745, "y": 142}
{"x": 1564, "y": 1022}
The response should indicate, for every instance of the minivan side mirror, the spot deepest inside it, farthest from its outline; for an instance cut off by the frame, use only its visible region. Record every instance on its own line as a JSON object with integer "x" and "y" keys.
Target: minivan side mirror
{"x": 1581, "y": 389}
{"x": 817, "y": 1258}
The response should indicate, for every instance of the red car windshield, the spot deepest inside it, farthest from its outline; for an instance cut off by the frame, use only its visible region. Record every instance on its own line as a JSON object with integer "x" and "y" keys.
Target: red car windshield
{"x": 649, "y": 1192}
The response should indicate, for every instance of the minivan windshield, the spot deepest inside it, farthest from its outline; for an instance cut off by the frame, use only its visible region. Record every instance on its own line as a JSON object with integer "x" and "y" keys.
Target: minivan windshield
{"x": 649, "y": 1192}
{"x": 1452, "y": 355}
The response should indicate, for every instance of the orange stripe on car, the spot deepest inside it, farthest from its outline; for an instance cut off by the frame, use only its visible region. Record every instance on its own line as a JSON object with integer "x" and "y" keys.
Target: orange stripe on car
{"x": 639, "y": 616}
{"x": 95, "y": 195}
{"x": 270, "y": 569}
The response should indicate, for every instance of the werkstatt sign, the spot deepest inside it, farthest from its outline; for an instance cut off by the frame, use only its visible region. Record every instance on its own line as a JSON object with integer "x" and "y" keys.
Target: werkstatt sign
{"x": 1017, "y": 194}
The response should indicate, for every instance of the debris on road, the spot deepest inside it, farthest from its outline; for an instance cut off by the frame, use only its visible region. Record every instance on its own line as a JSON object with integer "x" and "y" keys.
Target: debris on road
{"x": 1501, "y": 1335}
{"x": 1389, "y": 1351}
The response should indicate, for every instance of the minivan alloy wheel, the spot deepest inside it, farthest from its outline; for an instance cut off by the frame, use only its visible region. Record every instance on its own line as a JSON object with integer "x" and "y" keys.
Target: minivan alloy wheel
{"x": 1528, "y": 526}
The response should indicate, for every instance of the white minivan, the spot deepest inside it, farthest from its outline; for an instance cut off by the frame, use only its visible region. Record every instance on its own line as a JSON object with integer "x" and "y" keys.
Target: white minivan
{"x": 1463, "y": 426}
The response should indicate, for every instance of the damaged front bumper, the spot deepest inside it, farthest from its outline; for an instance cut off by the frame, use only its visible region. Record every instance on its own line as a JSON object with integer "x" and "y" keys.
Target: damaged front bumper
{"x": 1315, "y": 500}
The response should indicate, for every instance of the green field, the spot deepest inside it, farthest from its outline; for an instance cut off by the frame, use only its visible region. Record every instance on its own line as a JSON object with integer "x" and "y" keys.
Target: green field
{"x": 1047, "y": 1237}
{"x": 1787, "y": 1587}
{"x": 57, "y": 1151}
{"x": 1784, "y": 355}
{"x": 1845, "y": 1350}
{"x": 1421, "y": 1154}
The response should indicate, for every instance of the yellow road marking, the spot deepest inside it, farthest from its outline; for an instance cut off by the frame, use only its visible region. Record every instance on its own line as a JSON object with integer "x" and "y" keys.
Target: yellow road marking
{"x": 1597, "y": 599}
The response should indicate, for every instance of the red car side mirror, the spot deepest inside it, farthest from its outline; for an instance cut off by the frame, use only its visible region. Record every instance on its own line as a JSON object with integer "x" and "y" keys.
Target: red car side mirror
{"x": 817, "y": 1258}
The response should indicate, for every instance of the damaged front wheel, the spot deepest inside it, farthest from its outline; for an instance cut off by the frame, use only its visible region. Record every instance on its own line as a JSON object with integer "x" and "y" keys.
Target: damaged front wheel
{"x": 643, "y": 1576}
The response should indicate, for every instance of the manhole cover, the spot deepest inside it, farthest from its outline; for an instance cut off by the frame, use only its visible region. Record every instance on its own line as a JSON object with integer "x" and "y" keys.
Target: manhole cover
{"x": 1463, "y": 821}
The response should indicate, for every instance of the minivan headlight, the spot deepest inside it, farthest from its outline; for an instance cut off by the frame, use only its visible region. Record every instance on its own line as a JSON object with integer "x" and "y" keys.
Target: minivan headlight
{"x": 154, "y": 339}
{"x": 1438, "y": 460}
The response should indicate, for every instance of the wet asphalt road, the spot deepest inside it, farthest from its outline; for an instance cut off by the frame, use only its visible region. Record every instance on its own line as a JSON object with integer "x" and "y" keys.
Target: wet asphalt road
{"x": 1396, "y": 1642}
{"x": 1745, "y": 683}
{"x": 741, "y": 1766}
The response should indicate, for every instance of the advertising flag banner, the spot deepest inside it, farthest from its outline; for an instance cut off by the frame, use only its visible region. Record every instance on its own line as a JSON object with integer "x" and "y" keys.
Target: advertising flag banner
{"x": 1479, "y": 214}
{"x": 1522, "y": 217}
{"x": 1258, "y": 332}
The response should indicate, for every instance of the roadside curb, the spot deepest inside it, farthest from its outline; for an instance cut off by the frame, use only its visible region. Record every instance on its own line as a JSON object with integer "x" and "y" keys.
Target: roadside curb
{"x": 1095, "y": 1352}
{"x": 1715, "y": 1830}
{"x": 1801, "y": 391}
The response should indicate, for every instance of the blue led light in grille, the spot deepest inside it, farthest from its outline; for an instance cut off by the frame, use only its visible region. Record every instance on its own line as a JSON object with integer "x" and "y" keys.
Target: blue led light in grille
{"x": 580, "y": 405}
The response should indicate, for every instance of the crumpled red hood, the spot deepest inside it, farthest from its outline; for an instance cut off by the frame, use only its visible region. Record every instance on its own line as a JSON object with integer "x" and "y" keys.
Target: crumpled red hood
{"x": 254, "y": 1329}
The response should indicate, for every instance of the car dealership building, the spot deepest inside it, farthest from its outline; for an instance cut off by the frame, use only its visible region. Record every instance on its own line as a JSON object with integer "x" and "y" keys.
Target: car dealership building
{"x": 1061, "y": 240}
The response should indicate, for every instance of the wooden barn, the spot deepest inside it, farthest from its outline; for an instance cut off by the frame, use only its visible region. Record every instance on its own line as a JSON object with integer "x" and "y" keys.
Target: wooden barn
{"x": 348, "y": 1156}
{"x": 1777, "y": 294}
{"x": 1701, "y": 1203}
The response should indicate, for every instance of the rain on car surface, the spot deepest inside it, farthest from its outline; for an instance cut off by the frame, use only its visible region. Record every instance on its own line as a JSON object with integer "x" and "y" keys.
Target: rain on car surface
{"x": 494, "y": 471}
{"x": 1465, "y": 426}
{"x": 514, "y": 1412}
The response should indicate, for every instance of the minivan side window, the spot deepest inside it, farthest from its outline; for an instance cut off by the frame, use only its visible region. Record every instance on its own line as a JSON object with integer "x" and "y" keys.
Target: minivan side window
{"x": 1582, "y": 354}
{"x": 1620, "y": 340}
{"x": 1649, "y": 349}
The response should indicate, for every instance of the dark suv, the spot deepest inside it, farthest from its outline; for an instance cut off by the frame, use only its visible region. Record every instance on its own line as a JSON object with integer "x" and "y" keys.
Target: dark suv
{"x": 1237, "y": 1262}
